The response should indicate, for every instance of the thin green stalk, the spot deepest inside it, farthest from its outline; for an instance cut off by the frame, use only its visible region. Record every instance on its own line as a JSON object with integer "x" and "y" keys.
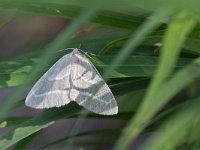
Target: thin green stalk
{"x": 177, "y": 128}
{"x": 136, "y": 39}
{"x": 176, "y": 34}
{"x": 76, "y": 127}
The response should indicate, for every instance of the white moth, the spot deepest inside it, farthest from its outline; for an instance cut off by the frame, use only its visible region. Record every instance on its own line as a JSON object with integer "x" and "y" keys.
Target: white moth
{"x": 73, "y": 78}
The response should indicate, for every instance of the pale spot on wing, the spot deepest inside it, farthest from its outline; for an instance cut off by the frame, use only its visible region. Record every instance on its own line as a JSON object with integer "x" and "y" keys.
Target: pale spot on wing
{"x": 73, "y": 94}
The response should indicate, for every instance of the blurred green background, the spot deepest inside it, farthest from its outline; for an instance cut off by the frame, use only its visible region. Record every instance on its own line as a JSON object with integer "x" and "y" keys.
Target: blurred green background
{"x": 147, "y": 51}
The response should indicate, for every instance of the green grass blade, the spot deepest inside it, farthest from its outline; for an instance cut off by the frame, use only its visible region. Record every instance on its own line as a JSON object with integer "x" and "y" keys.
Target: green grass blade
{"x": 23, "y": 144}
{"x": 104, "y": 17}
{"x": 36, "y": 124}
{"x": 15, "y": 71}
{"x": 12, "y": 121}
{"x": 135, "y": 40}
{"x": 178, "y": 29}
{"x": 116, "y": 43}
{"x": 191, "y": 45}
{"x": 176, "y": 129}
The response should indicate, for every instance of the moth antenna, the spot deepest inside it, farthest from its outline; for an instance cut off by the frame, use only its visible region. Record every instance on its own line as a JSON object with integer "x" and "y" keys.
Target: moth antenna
{"x": 90, "y": 56}
{"x": 79, "y": 46}
{"x": 65, "y": 49}
{"x": 85, "y": 53}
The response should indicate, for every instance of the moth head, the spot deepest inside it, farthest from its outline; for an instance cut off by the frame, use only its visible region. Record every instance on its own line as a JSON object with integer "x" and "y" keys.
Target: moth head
{"x": 76, "y": 50}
